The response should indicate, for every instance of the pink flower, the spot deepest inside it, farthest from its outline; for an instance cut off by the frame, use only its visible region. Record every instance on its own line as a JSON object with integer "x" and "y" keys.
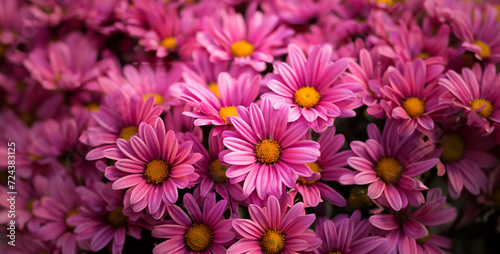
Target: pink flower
{"x": 215, "y": 104}
{"x": 119, "y": 117}
{"x": 253, "y": 40}
{"x": 152, "y": 166}
{"x": 348, "y": 235}
{"x": 265, "y": 152}
{"x": 100, "y": 218}
{"x": 476, "y": 94}
{"x": 307, "y": 87}
{"x": 67, "y": 64}
{"x": 204, "y": 232}
{"x": 274, "y": 229}
{"x": 330, "y": 166}
{"x": 412, "y": 97}
{"x": 408, "y": 230}
{"x": 389, "y": 163}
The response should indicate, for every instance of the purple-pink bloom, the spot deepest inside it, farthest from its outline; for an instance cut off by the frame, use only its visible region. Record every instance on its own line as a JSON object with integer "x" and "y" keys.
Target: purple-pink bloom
{"x": 389, "y": 163}
{"x": 152, "y": 166}
{"x": 200, "y": 232}
{"x": 265, "y": 152}
{"x": 275, "y": 229}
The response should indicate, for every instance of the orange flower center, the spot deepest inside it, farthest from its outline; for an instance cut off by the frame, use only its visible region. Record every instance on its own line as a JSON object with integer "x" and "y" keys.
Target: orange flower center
{"x": 414, "y": 107}
{"x": 169, "y": 43}
{"x": 128, "y": 132}
{"x": 156, "y": 172}
{"x": 242, "y": 49}
{"x": 314, "y": 168}
{"x": 388, "y": 169}
{"x": 116, "y": 217}
{"x": 485, "y": 49}
{"x": 453, "y": 147}
{"x": 214, "y": 88}
{"x": 307, "y": 97}
{"x": 225, "y": 112}
{"x": 268, "y": 151}
{"x": 218, "y": 171}
{"x": 273, "y": 241}
{"x": 479, "y": 103}
{"x": 158, "y": 98}
{"x": 198, "y": 237}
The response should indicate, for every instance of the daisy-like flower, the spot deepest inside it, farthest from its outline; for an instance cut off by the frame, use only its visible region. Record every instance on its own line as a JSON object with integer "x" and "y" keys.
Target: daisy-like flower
{"x": 152, "y": 165}
{"x": 273, "y": 229}
{"x": 389, "y": 163}
{"x": 464, "y": 154}
{"x": 253, "y": 40}
{"x": 477, "y": 94}
{"x": 119, "y": 117}
{"x": 204, "y": 232}
{"x": 55, "y": 211}
{"x": 306, "y": 87}
{"x": 348, "y": 236}
{"x": 100, "y": 218}
{"x": 412, "y": 97}
{"x": 330, "y": 166}
{"x": 408, "y": 230}
{"x": 265, "y": 151}
{"x": 215, "y": 108}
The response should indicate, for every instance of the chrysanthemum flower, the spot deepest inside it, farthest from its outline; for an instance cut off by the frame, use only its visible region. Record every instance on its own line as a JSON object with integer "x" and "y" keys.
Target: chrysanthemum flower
{"x": 100, "y": 218}
{"x": 411, "y": 98}
{"x": 152, "y": 165}
{"x": 306, "y": 87}
{"x": 204, "y": 232}
{"x": 253, "y": 40}
{"x": 389, "y": 163}
{"x": 265, "y": 151}
{"x": 273, "y": 229}
{"x": 477, "y": 94}
{"x": 330, "y": 166}
{"x": 119, "y": 117}
{"x": 408, "y": 232}
{"x": 464, "y": 155}
{"x": 215, "y": 105}
{"x": 348, "y": 235}
{"x": 55, "y": 211}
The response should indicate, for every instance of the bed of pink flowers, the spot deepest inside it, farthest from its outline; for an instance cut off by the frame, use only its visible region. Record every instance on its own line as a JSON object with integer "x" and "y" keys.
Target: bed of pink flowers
{"x": 237, "y": 126}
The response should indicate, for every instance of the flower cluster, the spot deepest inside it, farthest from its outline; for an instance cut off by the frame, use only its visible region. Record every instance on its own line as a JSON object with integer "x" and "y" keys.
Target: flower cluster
{"x": 240, "y": 126}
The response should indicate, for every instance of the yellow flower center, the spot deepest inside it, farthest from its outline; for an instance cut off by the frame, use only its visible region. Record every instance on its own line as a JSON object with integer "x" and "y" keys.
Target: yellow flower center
{"x": 218, "y": 171}
{"x": 453, "y": 147}
{"x": 478, "y": 103}
{"x": 268, "y": 151}
{"x": 156, "y": 172}
{"x": 198, "y": 237}
{"x": 358, "y": 198}
{"x": 29, "y": 205}
{"x": 307, "y": 97}
{"x": 224, "y": 112}
{"x": 273, "y": 241}
{"x": 414, "y": 107}
{"x": 69, "y": 214}
{"x": 337, "y": 252}
{"x": 116, "y": 218}
{"x": 485, "y": 49}
{"x": 386, "y": 2}
{"x": 128, "y": 132}
{"x": 423, "y": 55}
{"x": 35, "y": 157}
{"x": 214, "y": 88}
{"x": 169, "y": 43}
{"x": 388, "y": 169}
{"x": 93, "y": 107}
{"x": 497, "y": 6}
{"x": 496, "y": 197}
{"x": 424, "y": 239}
{"x": 158, "y": 98}
{"x": 242, "y": 49}
{"x": 314, "y": 168}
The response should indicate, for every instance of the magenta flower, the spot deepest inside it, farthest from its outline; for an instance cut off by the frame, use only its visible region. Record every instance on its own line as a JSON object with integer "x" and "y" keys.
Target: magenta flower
{"x": 464, "y": 155}
{"x": 119, "y": 117}
{"x": 265, "y": 152}
{"x": 408, "y": 230}
{"x": 219, "y": 102}
{"x": 100, "y": 218}
{"x": 348, "y": 235}
{"x": 273, "y": 229}
{"x": 389, "y": 163}
{"x": 152, "y": 166}
{"x": 253, "y": 40}
{"x": 55, "y": 211}
{"x": 67, "y": 64}
{"x": 329, "y": 166}
{"x": 412, "y": 97}
{"x": 476, "y": 93}
{"x": 204, "y": 232}
{"x": 307, "y": 87}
